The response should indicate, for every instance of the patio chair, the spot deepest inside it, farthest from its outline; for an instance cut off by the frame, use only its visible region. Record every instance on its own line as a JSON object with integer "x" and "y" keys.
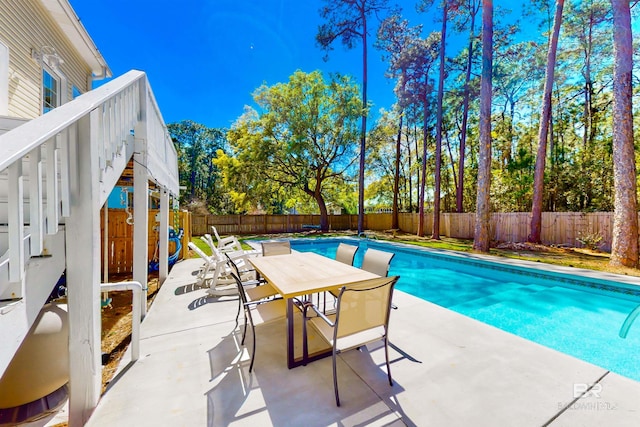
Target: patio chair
{"x": 362, "y": 317}
{"x": 257, "y": 313}
{"x": 229, "y": 243}
{"x": 346, "y": 253}
{"x": 209, "y": 241}
{"x": 279, "y": 247}
{"x": 214, "y": 272}
{"x": 255, "y": 289}
{"x": 377, "y": 262}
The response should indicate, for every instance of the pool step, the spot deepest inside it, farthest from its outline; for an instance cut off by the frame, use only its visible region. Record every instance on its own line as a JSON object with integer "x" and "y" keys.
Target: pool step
{"x": 516, "y": 293}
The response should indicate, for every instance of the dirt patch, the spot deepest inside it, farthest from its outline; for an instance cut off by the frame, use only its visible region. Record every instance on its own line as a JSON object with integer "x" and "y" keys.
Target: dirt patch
{"x": 529, "y": 247}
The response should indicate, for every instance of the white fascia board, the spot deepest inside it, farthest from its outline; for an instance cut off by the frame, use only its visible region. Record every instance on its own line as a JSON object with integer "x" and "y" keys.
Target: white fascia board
{"x": 64, "y": 15}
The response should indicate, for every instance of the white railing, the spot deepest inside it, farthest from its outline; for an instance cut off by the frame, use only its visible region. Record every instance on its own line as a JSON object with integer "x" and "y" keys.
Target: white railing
{"x": 46, "y": 147}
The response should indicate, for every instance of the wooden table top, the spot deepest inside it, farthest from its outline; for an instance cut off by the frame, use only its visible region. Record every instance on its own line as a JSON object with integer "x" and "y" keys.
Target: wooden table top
{"x": 303, "y": 273}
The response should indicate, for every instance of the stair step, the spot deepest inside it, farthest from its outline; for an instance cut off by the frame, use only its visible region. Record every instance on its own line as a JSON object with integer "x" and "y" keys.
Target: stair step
{"x": 16, "y": 317}
{"x": 513, "y": 292}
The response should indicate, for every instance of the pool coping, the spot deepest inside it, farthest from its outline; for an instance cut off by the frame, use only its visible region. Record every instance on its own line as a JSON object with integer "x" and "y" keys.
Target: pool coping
{"x": 544, "y": 270}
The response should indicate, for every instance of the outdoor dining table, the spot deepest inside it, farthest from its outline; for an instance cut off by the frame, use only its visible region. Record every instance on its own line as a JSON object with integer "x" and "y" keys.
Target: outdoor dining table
{"x": 300, "y": 274}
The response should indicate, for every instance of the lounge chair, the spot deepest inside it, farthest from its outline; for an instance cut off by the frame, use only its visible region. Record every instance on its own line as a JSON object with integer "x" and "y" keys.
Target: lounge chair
{"x": 229, "y": 243}
{"x": 214, "y": 272}
{"x": 362, "y": 317}
{"x": 209, "y": 241}
{"x": 279, "y": 247}
{"x": 257, "y": 312}
{"x": 346, "y": 253}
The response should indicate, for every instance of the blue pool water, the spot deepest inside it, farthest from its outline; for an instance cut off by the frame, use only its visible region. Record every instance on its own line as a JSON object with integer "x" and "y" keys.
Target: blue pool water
{"x": 577, "y": 316}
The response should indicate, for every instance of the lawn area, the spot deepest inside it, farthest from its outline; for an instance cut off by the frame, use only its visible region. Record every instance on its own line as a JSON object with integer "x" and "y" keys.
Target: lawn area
{"x": 569, "y": 257}
{"x": 565, "y": 256}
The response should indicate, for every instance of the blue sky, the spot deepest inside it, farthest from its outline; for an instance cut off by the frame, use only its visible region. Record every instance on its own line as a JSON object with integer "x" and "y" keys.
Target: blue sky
{"x": 204, "y": 58}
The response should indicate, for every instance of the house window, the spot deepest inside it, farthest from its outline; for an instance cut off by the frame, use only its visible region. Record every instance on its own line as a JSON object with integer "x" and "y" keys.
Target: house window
{"x": 50, "y": 91}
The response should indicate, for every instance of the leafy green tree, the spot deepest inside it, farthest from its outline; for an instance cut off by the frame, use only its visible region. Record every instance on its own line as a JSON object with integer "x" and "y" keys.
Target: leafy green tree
{"x": 383, "y": 162}
{"x": 348, "y": 20}
{"x": 446, "y": 6}
{"x": 301, "y": 140}
{"x": 471, "y": 7}
{"x": 414, "y": 96}
{"x": 545, "y": 118}
{"x": 196, "y": 145}
{"x": 241, "y": 170}
{"x": 397, "y": 39}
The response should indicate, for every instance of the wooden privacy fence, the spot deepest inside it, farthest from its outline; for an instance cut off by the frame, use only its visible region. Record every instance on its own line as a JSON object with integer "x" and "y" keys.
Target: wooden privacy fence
{"x": 558, "y": 228}
{"x": 266, "y": 224}
{"x": 120, "y": 237}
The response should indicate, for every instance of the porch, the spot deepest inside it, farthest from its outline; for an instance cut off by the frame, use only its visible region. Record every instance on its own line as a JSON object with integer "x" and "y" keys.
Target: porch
{"x": 448, "y": 370}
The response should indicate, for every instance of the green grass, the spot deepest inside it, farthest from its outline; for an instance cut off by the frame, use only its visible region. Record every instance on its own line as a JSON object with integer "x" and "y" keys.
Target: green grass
{"x": 569, "y": 257}
{"x": 207, "y": 250}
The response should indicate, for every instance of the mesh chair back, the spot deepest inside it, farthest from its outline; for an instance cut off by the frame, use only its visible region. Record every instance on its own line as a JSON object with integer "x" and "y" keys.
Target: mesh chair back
{"x": 377, "y": 262}
{"x": 276, "y": 248}
{"x": 364, "y": 306}
{"x": 346, "y": 253}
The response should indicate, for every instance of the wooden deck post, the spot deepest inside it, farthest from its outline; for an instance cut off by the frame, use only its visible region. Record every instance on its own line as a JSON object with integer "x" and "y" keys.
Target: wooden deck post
{"x": 163, "y": 237}
{"x": 83, "y": 275}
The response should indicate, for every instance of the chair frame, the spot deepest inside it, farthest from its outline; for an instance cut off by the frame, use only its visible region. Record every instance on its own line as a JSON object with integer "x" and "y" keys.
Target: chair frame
{"x": 248, "y": 316}
{"x": 229, "y": 243}
{"x": 361, "y": 287}
{"x": 265, "y": 293}
{"x": 215, "y": 270}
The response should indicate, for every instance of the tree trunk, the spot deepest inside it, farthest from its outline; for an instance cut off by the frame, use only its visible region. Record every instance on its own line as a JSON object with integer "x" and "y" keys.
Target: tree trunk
{"x": 363, "y": 129}
{"x": 543, "y": 132}
{"x": 438, "y": 153}
{"x": 423, "y": 168}
{"x": 465, "y": 118}
{"x": 410, "y": 169}
{"x": 324, "y": 215}
{"x": 396, "y": 177}
{"x": 624, "y": 247}
{"x": 481, "y": 238}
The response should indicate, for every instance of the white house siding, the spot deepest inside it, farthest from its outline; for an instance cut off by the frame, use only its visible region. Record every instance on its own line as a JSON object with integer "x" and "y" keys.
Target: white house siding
{"x": 4, "y": 79}
{"x": 26, "y": 25}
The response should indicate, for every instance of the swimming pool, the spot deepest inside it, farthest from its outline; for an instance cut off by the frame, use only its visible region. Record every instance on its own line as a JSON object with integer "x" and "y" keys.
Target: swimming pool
{"x": 572, "y": 314}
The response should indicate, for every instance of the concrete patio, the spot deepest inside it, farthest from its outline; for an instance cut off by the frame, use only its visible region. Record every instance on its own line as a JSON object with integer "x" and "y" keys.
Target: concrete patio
{"x": 449, "y": 370}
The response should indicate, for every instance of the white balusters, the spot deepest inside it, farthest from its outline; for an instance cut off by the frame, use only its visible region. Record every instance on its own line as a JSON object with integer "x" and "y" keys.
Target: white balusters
{"x": 36, "y": 215}
{"x": 51, "y": 176}
{"x": 69, "y": 136}
{"x": 16, "y": 223}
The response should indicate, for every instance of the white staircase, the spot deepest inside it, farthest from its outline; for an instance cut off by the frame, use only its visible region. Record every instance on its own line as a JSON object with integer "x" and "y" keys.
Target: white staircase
{"x": 56, "y": 172}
